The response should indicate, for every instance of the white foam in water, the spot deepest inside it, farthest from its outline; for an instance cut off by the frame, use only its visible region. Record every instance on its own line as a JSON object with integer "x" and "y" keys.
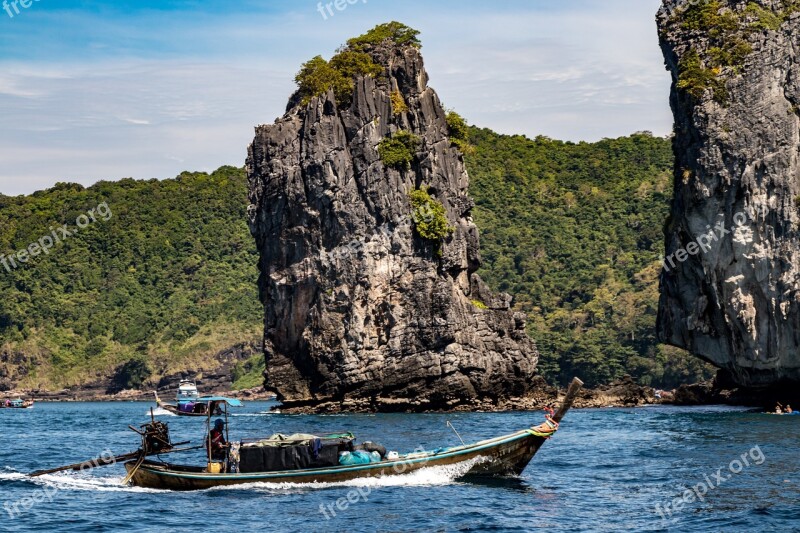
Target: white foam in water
{"x": 84, "y": 481}
{"x": 89, "y": 482}
{"x": 428, "y": 476}
{"x": 11, "y": 476}
{"x": 76, "y": 481}
{"x": 158, "y": 411}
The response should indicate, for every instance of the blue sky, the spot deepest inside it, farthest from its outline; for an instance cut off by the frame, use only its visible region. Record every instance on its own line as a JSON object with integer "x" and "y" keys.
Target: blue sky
{"x": 94, "y": 90}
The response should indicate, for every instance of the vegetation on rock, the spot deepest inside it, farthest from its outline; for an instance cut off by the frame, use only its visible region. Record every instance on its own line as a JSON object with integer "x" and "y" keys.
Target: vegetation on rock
{"x": 726, "y": 47}
{"x": 696, "y": 79}
{"x": 249, "y": 374}
{"x": 479, "y": 304}
{"x": 429, "y": 216}
{"x": 458, "y": 131}
{"x": 397, "y": 33}
{"x": 317, "y": 76}
{"x": 397, "y": 151}
{"x": 399, "y": 105}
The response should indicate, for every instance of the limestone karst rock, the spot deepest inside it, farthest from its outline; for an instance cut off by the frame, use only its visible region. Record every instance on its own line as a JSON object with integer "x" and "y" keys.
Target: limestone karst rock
{"x": 733, "y": 297}
{"x": 361, "y": 312}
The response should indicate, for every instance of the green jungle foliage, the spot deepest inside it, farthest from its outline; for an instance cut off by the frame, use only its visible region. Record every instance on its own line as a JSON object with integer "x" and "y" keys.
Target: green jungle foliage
{"x": 573, "y": 232}
{"x": 397, "y": 151}
{"x": 132, "y": 374}
{"x": 249, "y": 374}
{"x": 170, "y": 277}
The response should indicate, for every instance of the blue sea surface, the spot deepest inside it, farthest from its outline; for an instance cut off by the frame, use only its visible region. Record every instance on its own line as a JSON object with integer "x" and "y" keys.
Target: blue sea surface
{"x": 605, "y": 470}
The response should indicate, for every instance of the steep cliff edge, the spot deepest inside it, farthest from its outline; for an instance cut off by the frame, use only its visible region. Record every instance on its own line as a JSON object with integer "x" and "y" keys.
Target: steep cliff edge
{"x": 360, "y": 211}
{"x": 730, "y": 286}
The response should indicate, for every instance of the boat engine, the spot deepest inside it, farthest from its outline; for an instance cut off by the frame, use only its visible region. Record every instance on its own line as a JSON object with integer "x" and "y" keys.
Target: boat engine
{"x": 155, "y": 437}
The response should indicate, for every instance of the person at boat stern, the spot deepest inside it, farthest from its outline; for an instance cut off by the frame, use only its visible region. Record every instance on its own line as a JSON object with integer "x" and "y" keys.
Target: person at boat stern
{"x": 216, "y": 441}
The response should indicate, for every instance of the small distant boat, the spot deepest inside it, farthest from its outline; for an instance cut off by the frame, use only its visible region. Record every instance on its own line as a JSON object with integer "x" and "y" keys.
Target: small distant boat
{"x": 188, "y": 402}
{"x": 16, "y": 404}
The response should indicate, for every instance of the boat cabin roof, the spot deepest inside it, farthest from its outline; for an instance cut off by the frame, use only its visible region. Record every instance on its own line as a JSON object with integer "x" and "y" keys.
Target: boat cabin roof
{"x": 230, "y": 401}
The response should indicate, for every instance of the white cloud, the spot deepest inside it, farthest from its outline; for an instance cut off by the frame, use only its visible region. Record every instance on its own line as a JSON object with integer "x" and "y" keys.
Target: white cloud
{"x": 576, "y": 74}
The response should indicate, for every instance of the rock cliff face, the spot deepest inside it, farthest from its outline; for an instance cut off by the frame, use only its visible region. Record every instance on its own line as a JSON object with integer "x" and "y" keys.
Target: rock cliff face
{"x": 360, "y": 311}
{"x": 730, "y": 287}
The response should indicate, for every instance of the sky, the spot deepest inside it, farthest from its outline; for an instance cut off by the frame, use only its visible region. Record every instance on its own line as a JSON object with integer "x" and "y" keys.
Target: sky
{"x": 93, "y": 90}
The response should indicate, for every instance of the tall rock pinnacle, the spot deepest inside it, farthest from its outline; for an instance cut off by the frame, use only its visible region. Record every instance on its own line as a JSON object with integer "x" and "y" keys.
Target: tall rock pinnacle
{"x": 359, "y": 208}
{"x": 730, "y": 288}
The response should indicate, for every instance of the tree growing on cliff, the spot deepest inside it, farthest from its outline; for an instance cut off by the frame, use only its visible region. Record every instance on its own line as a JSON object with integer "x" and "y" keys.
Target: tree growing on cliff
{"x": 458, "y": 131}
{"x": 317, "y": 76}
{"x": 429, "y": 216}
{"x": 398, "y": 150}
{"x": 394, "y": 31}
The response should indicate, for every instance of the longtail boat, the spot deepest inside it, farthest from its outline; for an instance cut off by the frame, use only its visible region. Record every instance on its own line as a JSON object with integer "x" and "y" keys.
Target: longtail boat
{"x": 507, "y": 455}
{"x": 188, "y": 402}
{"x": 16, "y": 404}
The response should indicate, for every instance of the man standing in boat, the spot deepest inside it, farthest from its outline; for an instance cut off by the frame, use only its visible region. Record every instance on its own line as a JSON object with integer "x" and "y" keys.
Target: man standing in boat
{"x": 216, "y": 441}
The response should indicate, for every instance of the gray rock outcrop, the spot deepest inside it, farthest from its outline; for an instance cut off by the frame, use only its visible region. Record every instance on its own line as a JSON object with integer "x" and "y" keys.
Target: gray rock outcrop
{"x": 730, "y": 287}
{"x": 360, "y": 311}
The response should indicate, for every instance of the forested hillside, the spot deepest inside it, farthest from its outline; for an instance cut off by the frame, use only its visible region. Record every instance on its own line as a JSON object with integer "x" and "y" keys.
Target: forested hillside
{"x": 572, "y": 231}
{"x": 168, "y": 279}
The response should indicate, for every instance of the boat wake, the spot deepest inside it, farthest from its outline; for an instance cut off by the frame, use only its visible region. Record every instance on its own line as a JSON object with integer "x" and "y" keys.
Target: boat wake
{"x": 424, "y": 477}
{"x": 74, "y": 481}
{"x": 158, "y": 411}
{"x": 84, "y": 481}
{"x": 12, "y": 476}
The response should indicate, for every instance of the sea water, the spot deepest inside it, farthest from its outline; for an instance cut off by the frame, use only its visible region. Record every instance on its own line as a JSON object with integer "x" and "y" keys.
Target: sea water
{"x": 648, "y": 469}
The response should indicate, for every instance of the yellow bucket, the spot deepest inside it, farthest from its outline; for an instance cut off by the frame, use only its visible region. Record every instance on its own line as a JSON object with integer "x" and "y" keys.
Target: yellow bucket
{"x": 214, "y": 468}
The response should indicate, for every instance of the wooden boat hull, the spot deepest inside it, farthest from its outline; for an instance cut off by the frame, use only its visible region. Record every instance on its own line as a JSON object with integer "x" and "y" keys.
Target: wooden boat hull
{"x": 506, "y": 455}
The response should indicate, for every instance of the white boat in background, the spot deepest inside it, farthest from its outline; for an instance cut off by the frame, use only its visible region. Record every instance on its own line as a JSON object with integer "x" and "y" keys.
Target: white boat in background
{"x": 188, "y": 401}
